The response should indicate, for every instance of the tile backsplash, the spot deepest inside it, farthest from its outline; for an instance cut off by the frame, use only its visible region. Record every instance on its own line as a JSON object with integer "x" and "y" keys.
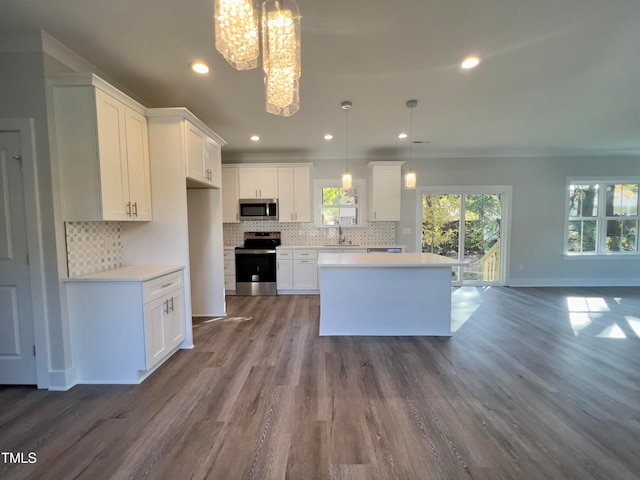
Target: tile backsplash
{"x": 94, "y": 247}
{"x": 373, "y": 233}
{"x": 98, "y": 246}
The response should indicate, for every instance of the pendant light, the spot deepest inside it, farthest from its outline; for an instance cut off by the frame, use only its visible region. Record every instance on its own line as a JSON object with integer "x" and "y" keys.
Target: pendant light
{"x": 236, "y": 29}
{"x": 237, "y": 35}
{"x": 347, "y": 178}
{"x": 281, "y": 56}
{"x": 410, "y": 178}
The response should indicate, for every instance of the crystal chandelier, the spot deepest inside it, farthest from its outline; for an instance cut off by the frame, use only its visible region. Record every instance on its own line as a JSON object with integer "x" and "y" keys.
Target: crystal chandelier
{"x": 236, "y": 27}
{"x": 237, "y": 39}
{"x": 410, "y": 178}
{"x": 347, "y": 178}
{"x": 281, "y": 56}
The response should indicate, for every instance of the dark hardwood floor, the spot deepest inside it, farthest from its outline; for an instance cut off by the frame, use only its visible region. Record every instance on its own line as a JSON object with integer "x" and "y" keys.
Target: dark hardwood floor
{"x": 514, "y": 394}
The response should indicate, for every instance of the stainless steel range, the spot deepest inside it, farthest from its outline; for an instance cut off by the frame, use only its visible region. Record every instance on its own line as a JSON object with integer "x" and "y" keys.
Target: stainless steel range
{"x": 256, "y": 264}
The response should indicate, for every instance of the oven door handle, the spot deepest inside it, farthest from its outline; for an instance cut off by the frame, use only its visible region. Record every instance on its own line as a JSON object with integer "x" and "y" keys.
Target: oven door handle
{"x": 257, "y": 251}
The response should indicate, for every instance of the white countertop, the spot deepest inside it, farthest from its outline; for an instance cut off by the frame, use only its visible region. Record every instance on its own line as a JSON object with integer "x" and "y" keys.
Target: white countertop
{"x": 140, "y": 273}
{"x": 345, "y": 246}
{"x": 385, "y": 260}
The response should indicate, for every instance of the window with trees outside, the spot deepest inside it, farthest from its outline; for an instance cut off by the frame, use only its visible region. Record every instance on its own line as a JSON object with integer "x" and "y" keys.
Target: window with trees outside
{"x": 602, "y": 217}
{"x": 337, "y": 206}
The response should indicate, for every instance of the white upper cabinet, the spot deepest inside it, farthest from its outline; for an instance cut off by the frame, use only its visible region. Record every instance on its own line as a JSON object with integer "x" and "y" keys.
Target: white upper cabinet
{"x": 258, "y": 182}
{"x": 294, "y": 194}
{"x": 230, "y": 196}
{"x": 384, "y": 191}
{"x": 101, "y": 148}
{"x": 203, "y": 157}
{"x": 200, "y": 147}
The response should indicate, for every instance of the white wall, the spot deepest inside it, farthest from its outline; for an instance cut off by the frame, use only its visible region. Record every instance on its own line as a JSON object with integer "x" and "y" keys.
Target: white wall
{"x": 538, "y": 210}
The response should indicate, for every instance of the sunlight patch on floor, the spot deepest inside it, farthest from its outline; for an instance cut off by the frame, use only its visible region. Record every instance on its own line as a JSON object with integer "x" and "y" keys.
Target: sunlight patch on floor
{"x": 464, "y": 302}
{"x": 612, "y": 331}
{"x": 587, "y": 304}
{"x": 634, "y": 323}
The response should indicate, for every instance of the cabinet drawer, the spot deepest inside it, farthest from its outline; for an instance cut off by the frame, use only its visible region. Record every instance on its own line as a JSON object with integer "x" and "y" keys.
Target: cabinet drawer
{"x": 159, "y": 286}
{"x": 229, "y": 268}
{"x": 305, "y": 254}
{"x": 284, "y": 254}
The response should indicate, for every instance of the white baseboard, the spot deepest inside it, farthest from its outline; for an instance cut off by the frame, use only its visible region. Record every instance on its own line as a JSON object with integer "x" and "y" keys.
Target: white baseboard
{"x": 62, "y": 380}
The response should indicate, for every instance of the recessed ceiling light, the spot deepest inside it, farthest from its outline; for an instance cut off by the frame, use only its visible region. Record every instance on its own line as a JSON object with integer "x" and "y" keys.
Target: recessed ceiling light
{"x": 470, "y": 62}
{"x": 402, "y": 135}
{"x": 328, "y": 136}
{"x": 200, "y": 68}
{"x": 255, "y": 138}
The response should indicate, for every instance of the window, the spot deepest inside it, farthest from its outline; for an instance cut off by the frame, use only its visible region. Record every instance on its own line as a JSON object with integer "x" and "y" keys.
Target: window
{"x": 602, "y": 217}
{"x": 336, "y": 206}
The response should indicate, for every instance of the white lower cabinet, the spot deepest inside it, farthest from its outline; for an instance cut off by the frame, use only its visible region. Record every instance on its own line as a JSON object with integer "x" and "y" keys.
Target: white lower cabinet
{"x": 284, "y": 275}
{"x": 305, "y": 269}
{"x": 164, "y": 326}
{"x": 297, "y": 269}
{"x": 284, "y": 269}
{"x": 305, "y": 274}
{"x": 229, "y": 270}
{"x": 124, "y": 323}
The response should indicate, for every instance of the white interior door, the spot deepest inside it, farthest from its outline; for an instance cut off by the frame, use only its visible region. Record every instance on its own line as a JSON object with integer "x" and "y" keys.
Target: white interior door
{"x": 17, "y": 356}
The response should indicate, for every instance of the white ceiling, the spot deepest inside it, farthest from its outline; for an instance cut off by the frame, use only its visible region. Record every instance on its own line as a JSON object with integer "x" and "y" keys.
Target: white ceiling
{"x": 558, "y": 77}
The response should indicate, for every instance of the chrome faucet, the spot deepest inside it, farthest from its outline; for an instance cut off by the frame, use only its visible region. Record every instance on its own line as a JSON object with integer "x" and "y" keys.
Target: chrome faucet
{"x": 341, "y": 238}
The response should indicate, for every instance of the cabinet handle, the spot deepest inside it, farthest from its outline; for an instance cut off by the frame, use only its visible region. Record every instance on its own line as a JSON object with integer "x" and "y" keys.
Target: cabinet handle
{"x": 375, "y": 214}
{"x": 296, "y": 214}
{"x": 172, "y": 309}
{"x": 292, "y": 216}
{"x": 128, "y": 209}
{"x": 236, "y": 216}
{"x": 166, "y": 285}
{"x": 135, "y": 209}
{"x": 166, "y": 306}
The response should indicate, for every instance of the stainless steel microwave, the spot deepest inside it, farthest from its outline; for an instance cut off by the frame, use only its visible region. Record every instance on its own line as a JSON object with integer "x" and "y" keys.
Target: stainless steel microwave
{"x": 258, "y": 209}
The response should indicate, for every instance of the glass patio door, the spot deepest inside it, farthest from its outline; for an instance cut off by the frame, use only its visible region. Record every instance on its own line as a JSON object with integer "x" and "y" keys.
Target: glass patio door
{"x": 466, "y": 225}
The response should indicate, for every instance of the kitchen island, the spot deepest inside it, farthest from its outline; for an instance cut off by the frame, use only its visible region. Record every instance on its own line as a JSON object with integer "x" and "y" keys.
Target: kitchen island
{"x": 385, "y": 294}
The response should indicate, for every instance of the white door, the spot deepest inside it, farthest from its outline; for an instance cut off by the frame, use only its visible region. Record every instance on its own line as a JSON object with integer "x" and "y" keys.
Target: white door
{"x": 469, "y": 224}
{"x": 17, "y": 355}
